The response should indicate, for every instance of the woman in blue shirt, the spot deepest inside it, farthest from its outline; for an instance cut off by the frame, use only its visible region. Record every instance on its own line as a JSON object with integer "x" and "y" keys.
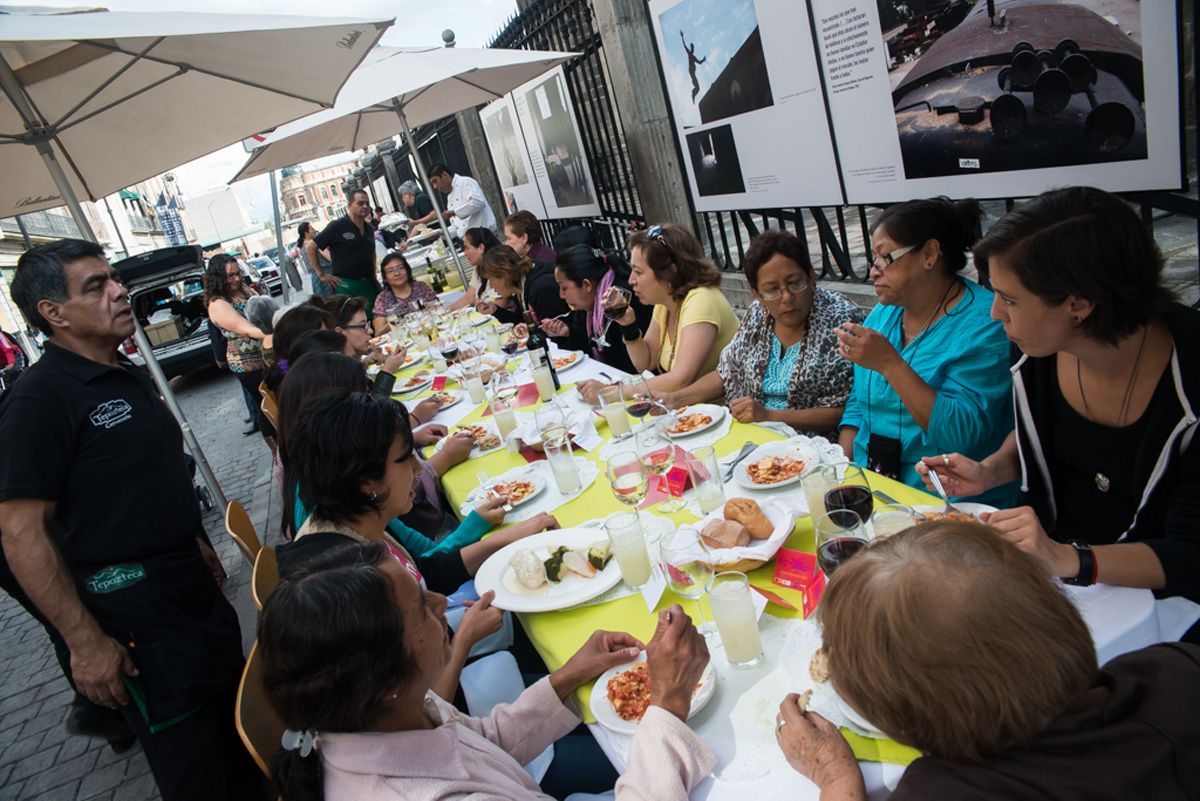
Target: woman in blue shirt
{"x": 930, "y": 365}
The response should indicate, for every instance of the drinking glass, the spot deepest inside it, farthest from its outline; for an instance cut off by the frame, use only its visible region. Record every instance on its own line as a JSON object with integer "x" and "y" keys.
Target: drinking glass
{"x": 615, "y": 303}
{"x": 689, "y": 567}
{"x": 840, "y": 535}
{"x": 706, "y": 478}
{"x": 637, "y": 397}
{"x": 614, "y": 412}
{"x": 542, "y": 378}
{"x": 891, "y": 518}
{"x": 658, "y": 457}
{"x": 562, "y": 463}
{"x": 815, "y": 482}
{"x": 504, "y": 403}
{"x": 492, "y": 338}
{"x": 624, "y": 531}
{"x": 628, "y": 478}
{"x": 733, "y": 611}
{"x": 473, "y": 381}
{"x": 552, "y": 422}
{"x": 851, "y": 493}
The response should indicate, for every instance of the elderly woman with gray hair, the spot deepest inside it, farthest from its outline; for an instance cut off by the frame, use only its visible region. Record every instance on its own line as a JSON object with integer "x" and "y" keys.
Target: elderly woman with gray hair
{"x": 1004, "y": 699}
{"x": 261, "y": 311}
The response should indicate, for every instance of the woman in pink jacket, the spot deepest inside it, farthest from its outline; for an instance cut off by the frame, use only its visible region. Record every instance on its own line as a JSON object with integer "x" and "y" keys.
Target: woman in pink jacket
{"x": 351, "y": 647}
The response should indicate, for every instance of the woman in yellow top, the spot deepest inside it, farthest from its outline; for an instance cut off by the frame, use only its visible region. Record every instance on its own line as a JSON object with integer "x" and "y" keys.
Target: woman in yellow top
{"x": 692, "y": 321}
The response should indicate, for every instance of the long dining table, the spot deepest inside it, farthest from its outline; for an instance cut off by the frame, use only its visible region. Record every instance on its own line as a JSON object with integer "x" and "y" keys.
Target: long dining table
{"x": 738, "y": 724}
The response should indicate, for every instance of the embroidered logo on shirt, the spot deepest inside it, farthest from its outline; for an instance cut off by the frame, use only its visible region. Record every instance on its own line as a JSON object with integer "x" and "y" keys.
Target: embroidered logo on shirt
{"x": 347, "y": 235}
{"x": 114, "y": 578}
{"x": 111, "y": 413}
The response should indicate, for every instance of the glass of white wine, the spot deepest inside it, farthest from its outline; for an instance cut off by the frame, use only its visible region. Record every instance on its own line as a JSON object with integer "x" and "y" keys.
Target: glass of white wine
{"x": 658, "y": 457}
{"x": 628, "y": 478}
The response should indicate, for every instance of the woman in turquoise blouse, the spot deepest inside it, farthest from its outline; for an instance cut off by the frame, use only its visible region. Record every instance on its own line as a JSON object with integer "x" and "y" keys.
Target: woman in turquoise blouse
{"x": 930, "y": 365}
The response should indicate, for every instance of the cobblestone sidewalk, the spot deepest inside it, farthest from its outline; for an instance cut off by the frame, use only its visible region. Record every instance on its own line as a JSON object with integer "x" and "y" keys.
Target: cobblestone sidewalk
{"x": 38, "y": 759}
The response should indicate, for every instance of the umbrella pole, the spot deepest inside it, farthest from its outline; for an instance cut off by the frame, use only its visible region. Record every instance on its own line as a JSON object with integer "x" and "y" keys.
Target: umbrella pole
{"x": 40, "y": 139}
{"x": 284, "y": 278}
{"x": 437, "y": 207}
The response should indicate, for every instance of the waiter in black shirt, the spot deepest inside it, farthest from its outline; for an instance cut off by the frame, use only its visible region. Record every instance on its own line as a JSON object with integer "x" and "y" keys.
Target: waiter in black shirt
{"x": 350, "y": 241}
{"x": 103, "y": 533}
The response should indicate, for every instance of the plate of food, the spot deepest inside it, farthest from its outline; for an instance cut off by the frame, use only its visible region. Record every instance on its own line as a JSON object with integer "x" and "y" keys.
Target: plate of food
{"x": 412, "y": 358}
{"x": 694, "y": 419}
{"x": 518, "y": 491}
{"x": 622, "y": 694}
{"x": 967, "y": 512}
{"x": 446, "y": 399}
{"x": 413, "y": 384}
{"x": 774, "y": 465}
{"x": 548, "y": 571}
{"x": 567, "y": 359}
{"x": 486, "y": 439}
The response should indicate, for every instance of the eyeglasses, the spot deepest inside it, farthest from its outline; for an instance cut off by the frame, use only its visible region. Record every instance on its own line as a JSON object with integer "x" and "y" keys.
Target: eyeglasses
{"x": 364, "y": 325}
{"x": 238, "y": 274}
{"x": 888, "y": 259}
{"x": 394, "y": 271}
{"x": 794, "y": 287}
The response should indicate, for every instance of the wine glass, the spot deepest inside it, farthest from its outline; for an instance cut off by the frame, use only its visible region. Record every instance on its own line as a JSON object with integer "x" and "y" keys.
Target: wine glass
{"x": 851, "y": 493}
{"x": 551, "y": 419}
{"x": 688, "y": 563}
{"x": 658, "y": 457}
{"x": 628, "y": 478}
{"x": 615, "y": 303}
{"x": 840, "y": 535}
{"x": 636, "y": 395}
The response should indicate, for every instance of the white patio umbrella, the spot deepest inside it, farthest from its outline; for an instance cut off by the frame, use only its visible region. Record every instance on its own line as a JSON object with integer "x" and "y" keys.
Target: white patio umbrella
{"x": 96, "y": 101}
{"x": 395, "y": 89}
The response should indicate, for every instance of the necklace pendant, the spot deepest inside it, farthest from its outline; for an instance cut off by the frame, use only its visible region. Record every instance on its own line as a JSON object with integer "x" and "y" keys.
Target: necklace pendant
{"x": 1102, "y": 482}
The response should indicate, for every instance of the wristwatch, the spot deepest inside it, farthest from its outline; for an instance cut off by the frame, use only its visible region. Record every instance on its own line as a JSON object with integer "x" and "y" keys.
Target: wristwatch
{"x": 631, "y": 333}
{"x": 1086, "y": 576}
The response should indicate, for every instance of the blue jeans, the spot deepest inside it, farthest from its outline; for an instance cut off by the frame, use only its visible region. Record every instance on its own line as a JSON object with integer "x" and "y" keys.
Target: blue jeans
{"x": 321, "y": 288}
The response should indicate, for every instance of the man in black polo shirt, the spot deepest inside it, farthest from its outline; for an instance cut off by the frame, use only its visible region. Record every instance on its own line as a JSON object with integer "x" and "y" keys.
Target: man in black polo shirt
{"x": 101, "y": 529}
{"x": 350, "y": 241}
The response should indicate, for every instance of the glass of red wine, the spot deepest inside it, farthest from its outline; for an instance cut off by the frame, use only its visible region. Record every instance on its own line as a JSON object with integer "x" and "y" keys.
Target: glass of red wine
{"x": 635, "y": 393}
{"x": 851, "y": 493}
{"x": 616, "y": 302}
{"x": 840, "y": 535}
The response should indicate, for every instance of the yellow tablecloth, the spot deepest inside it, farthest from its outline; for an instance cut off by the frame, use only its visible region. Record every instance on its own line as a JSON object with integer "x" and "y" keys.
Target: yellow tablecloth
{"x": 558, "y": 635}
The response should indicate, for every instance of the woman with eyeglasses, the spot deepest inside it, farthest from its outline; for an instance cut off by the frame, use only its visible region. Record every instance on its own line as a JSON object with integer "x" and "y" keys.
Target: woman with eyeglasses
{"x": 783, "y": 364}
{"x": 401, "y": 294}
{"x": 352, "y": 323}
{"x": 226, "y": 297}
{"x": 692, "y": 321}
{"x": 930, "y": 365}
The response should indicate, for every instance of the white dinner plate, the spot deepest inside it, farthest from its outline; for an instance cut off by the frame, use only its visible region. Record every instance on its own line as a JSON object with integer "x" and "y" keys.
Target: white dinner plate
{"x": 970, "y": 508}
{"x": 717, "y": 413}
{"x": 579, "y": 357}
{"x": 539, "y": 486}
{"x": 607, "y": 717}
{"x": 780, "y": 448}
{"x": 475, "y": 449}
{"x": 401, "y": 389}
{"x": 457, "y": 397}
{"x": 496, "y": 574}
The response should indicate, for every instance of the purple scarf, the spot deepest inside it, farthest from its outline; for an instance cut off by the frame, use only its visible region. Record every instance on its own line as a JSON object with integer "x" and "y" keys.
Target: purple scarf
{"x": 595, "y": 318}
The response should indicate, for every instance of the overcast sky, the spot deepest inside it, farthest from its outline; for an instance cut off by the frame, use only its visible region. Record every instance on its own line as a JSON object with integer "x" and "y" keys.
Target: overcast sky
{"x": 417, "y": 23}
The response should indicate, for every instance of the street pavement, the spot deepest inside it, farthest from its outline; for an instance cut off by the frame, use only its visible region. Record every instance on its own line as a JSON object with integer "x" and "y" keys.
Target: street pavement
{"x": 38, "y": 759}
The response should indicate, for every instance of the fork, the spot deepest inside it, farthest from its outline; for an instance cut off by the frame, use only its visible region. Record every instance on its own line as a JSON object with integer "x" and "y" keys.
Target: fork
{"x": 488, "y": 485}
{"x": 937, "y": 485}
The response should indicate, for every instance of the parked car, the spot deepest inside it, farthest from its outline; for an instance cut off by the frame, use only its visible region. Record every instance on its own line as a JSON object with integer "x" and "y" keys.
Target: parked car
{"x": 267, "y": 274}
{"x": 166, "y": 291}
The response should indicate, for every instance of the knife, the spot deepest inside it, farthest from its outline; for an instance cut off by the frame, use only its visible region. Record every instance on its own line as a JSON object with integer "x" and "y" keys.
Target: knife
{"x": 883, "y": 496}
{"x": 742, "y": 454}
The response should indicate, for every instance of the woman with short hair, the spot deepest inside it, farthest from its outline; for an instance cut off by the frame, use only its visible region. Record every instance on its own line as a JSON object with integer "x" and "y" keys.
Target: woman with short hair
{"x": 402, "y": 294}
{"x": 930, "y": 365}
{"x": 511, "y": 278}
{"x": 523, "y": 233}
{"x": 371, "y": 722}
{"x": 692, "y": 321}
{"x": 1105, "y": 393}
{"x": 1003, "y": 699}
{"x": 783, "y": 364}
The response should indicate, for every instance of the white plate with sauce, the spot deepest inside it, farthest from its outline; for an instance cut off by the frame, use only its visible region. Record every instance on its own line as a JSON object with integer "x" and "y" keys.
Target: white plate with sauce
{"x": 496, "y": 574}
{"x": 607, "y": 716}
{"x": 714, "y": 413}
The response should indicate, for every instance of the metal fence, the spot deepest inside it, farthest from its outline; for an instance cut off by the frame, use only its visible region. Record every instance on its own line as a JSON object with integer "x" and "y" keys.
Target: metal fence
{"x": 838, "y": 237}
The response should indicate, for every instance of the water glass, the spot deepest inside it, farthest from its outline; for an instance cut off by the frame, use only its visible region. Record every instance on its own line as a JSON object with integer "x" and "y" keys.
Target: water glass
{"x": 628, "y": 478}
{"x": 473, "y": 381}
{"x": 551, "y": 420}
{"x": 504, "y": 410}
{"x": 892, "y": 518}
{"x": 613, "y": 407}
{"x": 562, "y": 463}
{"x": 624, "y": 531}
{"x": 815, "y": 482}
{"x": 688, "y": 563}
{"x": 733, "y": 611}
{"x": 706, "y": 478}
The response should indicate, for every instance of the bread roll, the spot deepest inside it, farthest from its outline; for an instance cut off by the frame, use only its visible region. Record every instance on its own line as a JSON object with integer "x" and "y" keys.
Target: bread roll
{"x": 724, "y": 534}
{"x": 749, "y": 514}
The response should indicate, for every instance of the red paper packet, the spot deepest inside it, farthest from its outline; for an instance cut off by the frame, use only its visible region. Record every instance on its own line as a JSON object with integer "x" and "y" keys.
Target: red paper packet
{"x": 439, "y": 383}
{"x": 797, "y": 570}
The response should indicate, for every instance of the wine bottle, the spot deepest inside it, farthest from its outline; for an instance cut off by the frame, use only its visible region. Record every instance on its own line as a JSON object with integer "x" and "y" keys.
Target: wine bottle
{"x": 538, "y": 340}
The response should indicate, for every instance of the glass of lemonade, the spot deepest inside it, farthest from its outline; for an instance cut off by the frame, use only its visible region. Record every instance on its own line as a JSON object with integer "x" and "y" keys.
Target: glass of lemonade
{"x": 733, "y": 612}
{"x": 557, "y": 446}
{"x": 473, "y": 381}
{"x": 613, "y": 407}
{"x": 624, "y": 531}
{"x": 816, "y": 481}
{"x": 892, "y": 518}
{"x": 706, "y": 478}
{"x": 542, "y": 378}
{"x": 505, "y": 411}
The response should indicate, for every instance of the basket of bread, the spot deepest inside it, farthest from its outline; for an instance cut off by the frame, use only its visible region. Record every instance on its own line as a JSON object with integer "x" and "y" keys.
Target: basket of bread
{"x": 745, "y": 534}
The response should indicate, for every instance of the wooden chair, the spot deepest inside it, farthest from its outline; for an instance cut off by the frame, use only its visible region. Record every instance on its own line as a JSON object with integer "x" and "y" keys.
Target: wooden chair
{"x": 239, "y": 526}
{"x": 270, "y": 407}
{"x": 257, "y": 724}
{"x": 264, "y": 577}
